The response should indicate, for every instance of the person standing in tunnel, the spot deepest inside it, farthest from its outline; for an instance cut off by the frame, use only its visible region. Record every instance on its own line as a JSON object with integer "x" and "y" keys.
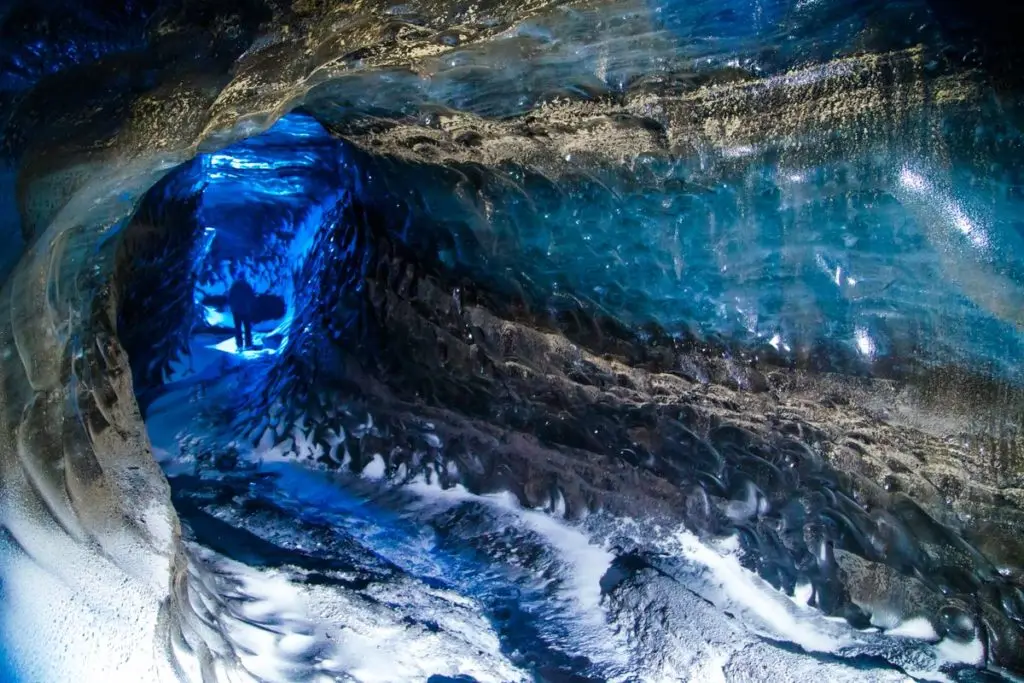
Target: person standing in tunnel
{"x": 242, "y": 300}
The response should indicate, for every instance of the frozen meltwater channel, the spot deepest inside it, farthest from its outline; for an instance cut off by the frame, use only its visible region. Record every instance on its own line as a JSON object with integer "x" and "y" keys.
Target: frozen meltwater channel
{"x": 355, "y": 578}
{"x": 452, "y": 588}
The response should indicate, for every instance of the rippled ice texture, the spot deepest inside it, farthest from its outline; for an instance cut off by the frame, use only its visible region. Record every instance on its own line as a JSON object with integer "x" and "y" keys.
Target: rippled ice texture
{"x": 622, "y": 341}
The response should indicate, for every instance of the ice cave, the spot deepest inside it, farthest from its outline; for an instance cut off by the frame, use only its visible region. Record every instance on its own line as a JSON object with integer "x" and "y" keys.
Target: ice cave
{"x": 486, "y": 341}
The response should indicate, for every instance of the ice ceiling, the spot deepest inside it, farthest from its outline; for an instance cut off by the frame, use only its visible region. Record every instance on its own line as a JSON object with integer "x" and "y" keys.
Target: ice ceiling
{"x": 617, "y": 341}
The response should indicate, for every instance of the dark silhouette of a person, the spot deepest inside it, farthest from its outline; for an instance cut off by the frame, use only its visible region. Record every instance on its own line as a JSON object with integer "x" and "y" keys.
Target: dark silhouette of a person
{"x": 242, "y": 300}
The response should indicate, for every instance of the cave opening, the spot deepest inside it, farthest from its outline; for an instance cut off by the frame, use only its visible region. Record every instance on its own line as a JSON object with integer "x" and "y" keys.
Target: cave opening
{"x": 251, "y": 212}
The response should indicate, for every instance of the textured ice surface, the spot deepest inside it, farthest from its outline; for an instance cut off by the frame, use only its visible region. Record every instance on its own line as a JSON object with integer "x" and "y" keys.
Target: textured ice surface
{"x": 401, "y": 570}
{"x": 623, "y": 341}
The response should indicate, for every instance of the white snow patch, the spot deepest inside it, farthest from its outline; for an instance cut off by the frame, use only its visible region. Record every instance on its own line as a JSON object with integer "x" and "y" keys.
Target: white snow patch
{"x": 375, "y": 469}
{"x": 745, "y": 588}
{"x": 802, "y": 594}
{"x": 919, "y": 628}
{"x": 953, "y": 651}
{"x": 72, "y": 615}
{"x": 282, "y": 626}
{"x": 586, "y": 562}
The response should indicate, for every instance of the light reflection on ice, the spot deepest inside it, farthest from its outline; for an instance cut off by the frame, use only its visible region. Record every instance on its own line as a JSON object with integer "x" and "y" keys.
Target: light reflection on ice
{"x": 865, "y": 344}
{"x": 954, "y": 212}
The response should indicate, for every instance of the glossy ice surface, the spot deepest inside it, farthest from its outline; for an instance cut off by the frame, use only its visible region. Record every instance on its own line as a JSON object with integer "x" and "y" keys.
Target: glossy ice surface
{"x": 641, "y": 341}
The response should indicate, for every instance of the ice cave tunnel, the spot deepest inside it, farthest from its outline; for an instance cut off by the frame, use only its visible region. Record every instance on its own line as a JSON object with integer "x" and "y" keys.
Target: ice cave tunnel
{"x": 630, "y": 341}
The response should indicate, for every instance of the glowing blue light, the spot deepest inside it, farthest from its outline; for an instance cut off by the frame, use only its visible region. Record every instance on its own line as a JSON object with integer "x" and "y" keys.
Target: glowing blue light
{"x": 229, "y": 346}
{"x": 242, "y": 164}
{"x": 263, "y": 198}
{"x": 215, "y": 318}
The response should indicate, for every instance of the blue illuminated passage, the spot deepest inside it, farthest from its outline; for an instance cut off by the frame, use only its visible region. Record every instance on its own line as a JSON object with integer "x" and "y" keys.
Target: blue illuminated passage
{"x": 262, "y": 204}
{"x": 882, "y": 254}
